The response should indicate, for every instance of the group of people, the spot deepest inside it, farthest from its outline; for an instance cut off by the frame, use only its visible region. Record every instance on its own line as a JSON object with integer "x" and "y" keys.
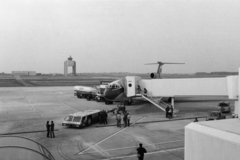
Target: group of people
{"x": 103, "y": 117}
{"x": 169, "y": 112}
{"x": 50, "y": 129}
{"x": 126, "y": 119}
{"x": 121, "y": 107}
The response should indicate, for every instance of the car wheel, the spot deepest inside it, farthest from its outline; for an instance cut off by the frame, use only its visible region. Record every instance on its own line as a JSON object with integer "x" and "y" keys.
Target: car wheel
{"x": 89, "y": 98}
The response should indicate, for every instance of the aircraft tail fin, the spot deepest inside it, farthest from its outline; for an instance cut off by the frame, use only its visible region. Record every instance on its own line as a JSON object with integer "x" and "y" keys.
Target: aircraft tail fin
{"x": 159, "y": 70}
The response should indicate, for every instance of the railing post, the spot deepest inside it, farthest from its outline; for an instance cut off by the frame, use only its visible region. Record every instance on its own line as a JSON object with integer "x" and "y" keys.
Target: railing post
{"x": 172, "y": 102}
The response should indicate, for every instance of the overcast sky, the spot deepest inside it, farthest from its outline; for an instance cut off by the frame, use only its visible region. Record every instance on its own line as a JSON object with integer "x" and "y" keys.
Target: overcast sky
{"x": 119, "y": 35}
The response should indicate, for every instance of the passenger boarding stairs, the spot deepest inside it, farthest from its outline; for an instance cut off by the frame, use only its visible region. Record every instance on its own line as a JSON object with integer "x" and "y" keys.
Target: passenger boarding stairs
{"x": 159, "y": 103}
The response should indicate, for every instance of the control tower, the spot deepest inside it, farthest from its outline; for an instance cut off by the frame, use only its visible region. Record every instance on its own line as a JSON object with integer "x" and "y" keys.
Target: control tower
{"x": 70, "y": 63}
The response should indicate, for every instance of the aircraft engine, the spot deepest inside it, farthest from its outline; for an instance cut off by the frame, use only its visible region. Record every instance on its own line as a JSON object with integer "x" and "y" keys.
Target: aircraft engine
{"x": 153, "y": 75}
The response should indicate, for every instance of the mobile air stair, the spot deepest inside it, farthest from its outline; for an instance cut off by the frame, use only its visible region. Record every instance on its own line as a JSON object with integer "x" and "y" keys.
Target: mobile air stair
{"x": 160, "y": 104}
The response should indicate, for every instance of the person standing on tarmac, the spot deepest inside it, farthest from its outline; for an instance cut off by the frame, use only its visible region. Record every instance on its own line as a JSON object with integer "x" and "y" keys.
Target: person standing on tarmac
{"x": 170, "y": 112}
{"x": 100, "y": 117}
{"x": 125, "y": 119}
{"x": 140, "y": 152}
{"x": 118, "y": 117}
{"x": 128, "y": 119}
{"x": 105, "y": 116}
{"x": 123, "y": 108}
{"x": 48, "y": 128}
{"x": 167, "y": 110}
{"x": 52, "y": 135}
{"x": 196, "y": 120}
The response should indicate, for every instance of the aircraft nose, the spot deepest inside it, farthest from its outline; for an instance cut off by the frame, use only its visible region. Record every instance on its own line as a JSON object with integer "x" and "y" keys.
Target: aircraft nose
{"x": 107, "y": 93}
{"x": 112, "y": 94}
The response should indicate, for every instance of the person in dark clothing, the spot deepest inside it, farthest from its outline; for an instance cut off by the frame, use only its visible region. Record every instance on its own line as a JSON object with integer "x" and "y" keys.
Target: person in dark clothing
{"x": 128, "y": 119}
{"x": 105, "y": 116}
{"x": 100, "y": 116}
{"x": 52, "y": 135}
{"x": 123, "y": 108}
{"x": 48, "y": 128}
{"x": 125, "y": 119}
{"x": 140, "y": 152}
{"x": 167, "y": 110}
{"x": 196, "y": 120}
{"x": 170, "y": 112}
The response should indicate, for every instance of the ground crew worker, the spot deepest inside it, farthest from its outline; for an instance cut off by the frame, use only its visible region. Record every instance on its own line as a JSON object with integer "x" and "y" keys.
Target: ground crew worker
{"x": 167, "y": 110}
{"x": 119, "y": 107}
{"x": 105, "y": 116}
{"x": 128, "y": 119}
{"x": 125, "y": 120}
{"x": 52, "y": 135}
{"x": 48, "y": 128}
{"x": 123, "y": 108}
{"x": 118, "y": 120}
{"x": 100, "y": 117}
{"x": 170, "y": 112}
{"x": 140, "y": 152}
{"x": 139, "y": 89}
{"x": 196, "y": 120}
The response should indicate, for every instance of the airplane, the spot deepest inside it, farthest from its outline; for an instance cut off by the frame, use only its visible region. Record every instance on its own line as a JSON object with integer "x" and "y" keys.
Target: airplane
{"x": 116, "y": 91}
{"x": 124, "y": 90}
{"x": 154, "y": 89}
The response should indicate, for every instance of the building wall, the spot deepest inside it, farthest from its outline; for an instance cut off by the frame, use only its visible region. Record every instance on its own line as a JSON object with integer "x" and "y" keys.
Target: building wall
{"x": 69, "y": 64}
{"x": 204, "y": 142}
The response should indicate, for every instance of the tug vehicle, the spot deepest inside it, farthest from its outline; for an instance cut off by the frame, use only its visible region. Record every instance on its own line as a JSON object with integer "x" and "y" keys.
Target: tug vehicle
{"x": 82, "y": 118}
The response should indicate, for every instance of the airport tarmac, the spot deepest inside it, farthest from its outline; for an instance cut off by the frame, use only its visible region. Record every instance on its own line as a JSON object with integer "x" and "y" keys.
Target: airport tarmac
{"x": 24, "y": 112}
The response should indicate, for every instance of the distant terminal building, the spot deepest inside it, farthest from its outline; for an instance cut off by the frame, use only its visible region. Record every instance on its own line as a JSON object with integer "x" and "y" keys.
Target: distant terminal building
{"x": 24, "y": 73}
{"x": 70, "y": 63}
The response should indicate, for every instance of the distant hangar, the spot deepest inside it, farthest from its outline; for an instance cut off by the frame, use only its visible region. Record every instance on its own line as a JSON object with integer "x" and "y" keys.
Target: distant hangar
{"x": 24, "y": 73}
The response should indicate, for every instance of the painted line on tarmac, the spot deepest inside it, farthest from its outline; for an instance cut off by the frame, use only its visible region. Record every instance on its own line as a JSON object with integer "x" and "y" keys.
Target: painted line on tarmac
{"x": 148, "y": 153}
{"x": 64, "y": 104}
{"x": 136, "y": 147}
{"x": 30, "y": 103}
{"x": 108, "y": 137}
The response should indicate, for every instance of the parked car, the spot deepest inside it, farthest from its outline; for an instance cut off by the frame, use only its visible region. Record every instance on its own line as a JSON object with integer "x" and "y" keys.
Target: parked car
{"x": 234, "y": 115}
{"x": 225, "y": 107}
{"x": 215, "y": 115}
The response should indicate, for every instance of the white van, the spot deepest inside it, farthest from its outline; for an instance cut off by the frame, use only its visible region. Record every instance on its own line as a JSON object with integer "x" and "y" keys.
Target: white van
{"x": 82, "y": 118}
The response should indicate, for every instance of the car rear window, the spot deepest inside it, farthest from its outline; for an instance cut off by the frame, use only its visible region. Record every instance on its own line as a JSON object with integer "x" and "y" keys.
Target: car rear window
{"x": 68, "y": 118}
{"x": 76, "y": 119}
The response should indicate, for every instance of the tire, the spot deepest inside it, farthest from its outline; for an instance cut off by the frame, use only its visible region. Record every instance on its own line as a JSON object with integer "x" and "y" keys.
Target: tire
{"x": 79, "y": 96}
{"x": 89, "y": 97}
